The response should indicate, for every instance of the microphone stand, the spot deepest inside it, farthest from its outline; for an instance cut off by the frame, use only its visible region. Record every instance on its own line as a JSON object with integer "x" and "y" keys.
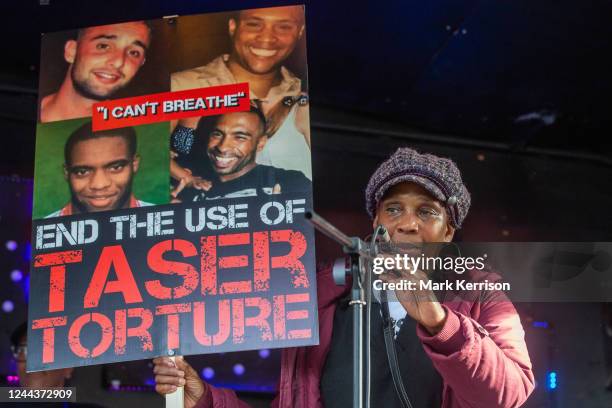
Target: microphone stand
{"x": 360, "y": 253}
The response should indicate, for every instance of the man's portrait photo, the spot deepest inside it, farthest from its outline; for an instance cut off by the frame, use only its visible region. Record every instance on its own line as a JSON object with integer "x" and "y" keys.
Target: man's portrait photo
{"x": 81, "y": 171}
{"x": 95, "y": 64}
{"x": 263, "y": 47}
{"x": 222, "y": 162}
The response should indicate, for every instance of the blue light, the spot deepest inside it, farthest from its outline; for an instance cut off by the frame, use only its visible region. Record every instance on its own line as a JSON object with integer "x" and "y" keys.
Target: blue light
{"x": 540, "y": 325}
{"x": 264, "y": 353}
{"x": 16, "y": 275}
{"x": 238, "y": 369}
{"x": 27, "y": 253}
{"x": 8, "y": 306}
{"x": 26, "y": 287}
{"x": 551, "y": 380}
{"x": 11, "y": 245}
{"x": 208, "y": 373}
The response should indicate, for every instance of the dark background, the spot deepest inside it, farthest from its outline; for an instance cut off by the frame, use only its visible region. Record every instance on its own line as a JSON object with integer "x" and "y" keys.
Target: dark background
{"x": 518, "y": 93}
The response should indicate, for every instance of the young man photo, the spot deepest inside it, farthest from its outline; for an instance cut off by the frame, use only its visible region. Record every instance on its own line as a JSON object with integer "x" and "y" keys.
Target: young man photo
{"x": 99, "y": 168}
{"x": 102, "y": 60}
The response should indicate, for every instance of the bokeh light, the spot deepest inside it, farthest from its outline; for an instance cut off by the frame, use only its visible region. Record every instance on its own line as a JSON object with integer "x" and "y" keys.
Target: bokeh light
{"x": 11, "y": 245}
{"x": 208, "y": 373}
{"x": 239, "y": 369}
{"x": 8, "y": 306}
{"x": 16, "y": 275}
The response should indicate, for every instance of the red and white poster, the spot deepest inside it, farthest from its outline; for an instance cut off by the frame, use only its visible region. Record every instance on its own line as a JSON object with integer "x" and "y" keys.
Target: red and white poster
{"x": 172, "y": 176}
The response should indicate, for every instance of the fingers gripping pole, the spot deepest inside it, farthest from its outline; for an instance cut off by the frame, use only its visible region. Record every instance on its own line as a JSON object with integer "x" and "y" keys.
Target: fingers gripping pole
{"x": 175, "y": 399}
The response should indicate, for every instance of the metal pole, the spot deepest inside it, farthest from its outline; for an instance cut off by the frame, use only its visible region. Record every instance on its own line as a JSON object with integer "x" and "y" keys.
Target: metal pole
{"x": 359, "y": 254}
{"x": 357, "y": 303}
{"x": 350, "y": 244}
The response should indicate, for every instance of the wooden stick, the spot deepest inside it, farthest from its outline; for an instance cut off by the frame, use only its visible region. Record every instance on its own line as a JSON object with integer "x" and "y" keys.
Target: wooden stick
{"x": 175, "y": 399}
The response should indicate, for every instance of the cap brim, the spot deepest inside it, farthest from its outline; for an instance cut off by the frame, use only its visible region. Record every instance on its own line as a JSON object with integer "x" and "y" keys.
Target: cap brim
{"x": 427, "y": 184}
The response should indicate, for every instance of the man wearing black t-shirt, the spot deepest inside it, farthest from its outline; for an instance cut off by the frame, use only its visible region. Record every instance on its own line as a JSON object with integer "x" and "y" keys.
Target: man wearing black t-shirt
{"x": 224, "y": 158}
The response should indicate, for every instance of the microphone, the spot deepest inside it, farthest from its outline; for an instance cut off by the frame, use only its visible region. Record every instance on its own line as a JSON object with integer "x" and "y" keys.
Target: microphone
{"x": 385, "y": 244}
{"x": 383, "y": 234}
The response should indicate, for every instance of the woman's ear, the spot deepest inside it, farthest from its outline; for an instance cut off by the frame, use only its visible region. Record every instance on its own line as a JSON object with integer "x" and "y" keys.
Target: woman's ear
{"x": 375, "y": 222}
{"x": 449, "y": 233}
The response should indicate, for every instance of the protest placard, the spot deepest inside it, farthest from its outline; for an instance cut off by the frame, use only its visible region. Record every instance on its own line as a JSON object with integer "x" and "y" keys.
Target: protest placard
{"x": 169, "y": 200}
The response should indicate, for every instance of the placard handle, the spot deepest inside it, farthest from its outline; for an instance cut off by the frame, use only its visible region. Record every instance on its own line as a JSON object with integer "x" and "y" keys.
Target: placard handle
{"x": 175, "y": 399}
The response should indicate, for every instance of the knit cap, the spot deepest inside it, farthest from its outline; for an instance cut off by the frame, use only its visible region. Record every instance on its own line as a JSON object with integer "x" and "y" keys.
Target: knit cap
{"x": 438, "y": 175}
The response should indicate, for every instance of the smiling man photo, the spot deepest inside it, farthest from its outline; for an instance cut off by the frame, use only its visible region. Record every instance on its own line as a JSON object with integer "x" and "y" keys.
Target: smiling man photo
{"x": 102, "y": 60}
{"x": 99, "y": 168}
{"x": 224, "y": 158}
{"x": 261, "y": 41}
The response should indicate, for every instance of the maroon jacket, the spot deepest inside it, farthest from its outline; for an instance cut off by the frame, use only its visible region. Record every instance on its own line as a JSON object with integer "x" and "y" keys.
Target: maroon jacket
{"x": 480, "y": 354}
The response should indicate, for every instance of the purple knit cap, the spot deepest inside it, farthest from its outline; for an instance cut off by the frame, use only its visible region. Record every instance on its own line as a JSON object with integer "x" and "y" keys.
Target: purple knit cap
{"x": 438, "y": 175}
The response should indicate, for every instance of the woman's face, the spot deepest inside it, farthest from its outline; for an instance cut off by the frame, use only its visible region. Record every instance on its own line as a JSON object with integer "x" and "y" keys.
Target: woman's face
{"x": 412, "y": 215}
